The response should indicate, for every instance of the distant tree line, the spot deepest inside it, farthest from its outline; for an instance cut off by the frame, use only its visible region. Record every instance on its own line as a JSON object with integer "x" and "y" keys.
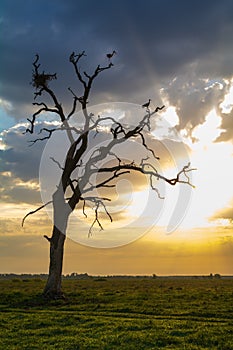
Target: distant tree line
{"x": 75, "y": 275}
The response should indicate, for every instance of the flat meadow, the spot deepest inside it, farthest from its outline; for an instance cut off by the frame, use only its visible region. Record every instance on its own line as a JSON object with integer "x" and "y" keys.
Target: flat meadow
{"x": 118, "y": 313}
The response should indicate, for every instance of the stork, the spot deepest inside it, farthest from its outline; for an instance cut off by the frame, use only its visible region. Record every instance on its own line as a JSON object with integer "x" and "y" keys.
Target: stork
{"x": 146, "y": 105}
{"x": 110, "y": 55}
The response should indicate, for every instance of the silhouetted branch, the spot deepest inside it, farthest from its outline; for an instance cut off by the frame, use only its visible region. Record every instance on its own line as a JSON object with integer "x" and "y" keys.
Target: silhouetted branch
{"x": 56, "y": 162}
{"x": 98, "y": 201}
{"x": 49, "y": 131}
{"x": 87, "y": 83}
{"x": 154, "y": 188}
{"x": 34, "y": 211}
{"x": 40, "y": 81}
{"x": 84, "y": 204}
{"x": 95, "y": 220}
{"x": 186, "y": 169}
{"x": 104, "y": 151}
{"x": 75, "y": 97}
{"x": 105, "y": 182}
{"x": 37, "y": 113}
{"x": 146, "y": 147}
{"x": 74, "y": 59}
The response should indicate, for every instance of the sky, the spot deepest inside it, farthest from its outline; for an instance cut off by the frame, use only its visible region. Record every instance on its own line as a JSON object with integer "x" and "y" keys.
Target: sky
{"x": 177, "y": 53}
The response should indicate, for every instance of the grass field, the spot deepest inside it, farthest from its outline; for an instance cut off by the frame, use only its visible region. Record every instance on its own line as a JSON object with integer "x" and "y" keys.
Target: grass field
{"x": 108, "y": 314}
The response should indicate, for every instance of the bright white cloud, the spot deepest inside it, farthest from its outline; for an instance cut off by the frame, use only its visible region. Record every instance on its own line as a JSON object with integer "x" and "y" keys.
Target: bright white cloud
{"x": 227, "y": 104}
{"x": 208, "y": 131}
{"x": 171, "y": 116}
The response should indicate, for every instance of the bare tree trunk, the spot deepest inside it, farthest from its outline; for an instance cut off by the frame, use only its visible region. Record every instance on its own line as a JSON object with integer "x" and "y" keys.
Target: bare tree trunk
{"x": 53, "y": 288}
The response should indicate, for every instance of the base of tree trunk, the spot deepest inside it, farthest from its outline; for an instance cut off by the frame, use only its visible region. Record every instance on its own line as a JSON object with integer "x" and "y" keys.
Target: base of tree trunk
{"x": 53, "y": 288}
{"x": 52, "y": 295}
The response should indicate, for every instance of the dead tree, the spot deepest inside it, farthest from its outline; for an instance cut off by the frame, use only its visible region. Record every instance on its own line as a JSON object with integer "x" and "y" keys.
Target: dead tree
{"x": 81, "y": 189}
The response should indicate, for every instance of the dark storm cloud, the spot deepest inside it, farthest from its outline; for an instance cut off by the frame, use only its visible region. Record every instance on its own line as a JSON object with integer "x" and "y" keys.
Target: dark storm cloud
{"x": 19, "y": 168}
{"x": 155, "y": 40}
{"x": 19, "y": 157}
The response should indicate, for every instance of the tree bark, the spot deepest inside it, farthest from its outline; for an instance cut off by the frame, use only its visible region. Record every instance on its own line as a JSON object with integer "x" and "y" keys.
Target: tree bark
{"x": 53, "y": 288}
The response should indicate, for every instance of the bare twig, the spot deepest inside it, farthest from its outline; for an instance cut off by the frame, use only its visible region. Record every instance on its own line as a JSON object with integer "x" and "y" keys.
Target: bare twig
{"x": 56, "y": 162}
{"x": 98, "y": 201}
{"x": 34, "y": 211}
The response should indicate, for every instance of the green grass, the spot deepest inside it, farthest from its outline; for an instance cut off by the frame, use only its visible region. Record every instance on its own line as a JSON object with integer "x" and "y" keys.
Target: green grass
{"x": 118, "y": 314}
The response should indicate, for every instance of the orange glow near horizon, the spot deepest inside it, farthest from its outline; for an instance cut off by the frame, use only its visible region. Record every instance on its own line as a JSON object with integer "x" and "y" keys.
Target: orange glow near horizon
{"x": 202, "y": 243}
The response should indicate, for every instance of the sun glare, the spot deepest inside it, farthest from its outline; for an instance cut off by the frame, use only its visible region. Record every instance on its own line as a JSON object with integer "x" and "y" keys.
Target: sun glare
{"x": 208, "y": 131}
{"x": 213, "y": 183}
{"x": 137, "y": 203}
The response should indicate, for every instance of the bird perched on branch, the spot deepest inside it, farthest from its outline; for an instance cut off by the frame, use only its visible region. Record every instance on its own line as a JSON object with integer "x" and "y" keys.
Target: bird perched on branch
{"x": 146, "y": 105}
{"x": 110, "y": 55}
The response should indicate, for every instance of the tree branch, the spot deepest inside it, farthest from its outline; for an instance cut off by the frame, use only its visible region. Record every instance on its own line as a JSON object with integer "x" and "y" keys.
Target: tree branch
{"x": 74, "y": 59}
{"x": 186, "y": 169}
{"x": 98, "y": 201}
{"x": 56, "y": 162}
{"x": 87, "y": 84}
{"x": 34, "y": 211}
{"x": 74, "y": 104}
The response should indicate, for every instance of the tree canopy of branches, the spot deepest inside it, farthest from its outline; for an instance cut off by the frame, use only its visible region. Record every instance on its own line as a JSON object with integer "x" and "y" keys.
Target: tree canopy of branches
{"x": 70, "y": 191}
